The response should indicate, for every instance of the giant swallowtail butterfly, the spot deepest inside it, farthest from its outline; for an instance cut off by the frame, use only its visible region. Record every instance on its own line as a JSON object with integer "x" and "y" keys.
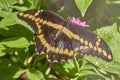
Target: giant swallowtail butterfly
{"x": 61, "y": 39}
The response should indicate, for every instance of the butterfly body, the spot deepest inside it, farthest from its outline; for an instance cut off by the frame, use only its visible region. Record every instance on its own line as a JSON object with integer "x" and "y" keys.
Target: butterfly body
{"x": 62, "y": 40}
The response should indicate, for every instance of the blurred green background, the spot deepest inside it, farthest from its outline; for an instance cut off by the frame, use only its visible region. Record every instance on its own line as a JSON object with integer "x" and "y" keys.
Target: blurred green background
{"x": 16, "y": 40}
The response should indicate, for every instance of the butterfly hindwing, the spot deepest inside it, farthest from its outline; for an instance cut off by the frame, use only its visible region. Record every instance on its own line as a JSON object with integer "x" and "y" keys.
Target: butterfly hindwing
{"x": 89, "y": 43}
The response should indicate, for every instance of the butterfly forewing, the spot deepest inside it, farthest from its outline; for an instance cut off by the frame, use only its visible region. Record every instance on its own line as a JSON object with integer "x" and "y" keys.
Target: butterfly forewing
{"x": 60, "y": 39}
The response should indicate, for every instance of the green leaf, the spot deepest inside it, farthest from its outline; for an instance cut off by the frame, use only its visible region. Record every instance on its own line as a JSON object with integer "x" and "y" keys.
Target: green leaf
{"x": 66, "y": 68}
{"x": 99, "y": 72}
{"x": 83, "y": 5}
{"x": 5, "y": 4}
{"x": 87, "y": 72}
{"x": 86, "y": 67}
{"x": 35, "y": 4}
{"x": 16, "y": 31}
{"x": 19, "y": 73}
{"x": 15, "y": 42}
{"x": 69, "y": 65}
{"x": 35, "y": 75}
{"x": 22, "y": 55}
{"x": 8, "y": 20}
{"x": 112, "y": 66}
{"x": 12, "y": 44}
{"x": 20, "y": 8}
{"x": 3, "y": 13}
{"x": 20, "y": 1}
{"x": 1, "y": 50}
{"x": 7, "y": 69}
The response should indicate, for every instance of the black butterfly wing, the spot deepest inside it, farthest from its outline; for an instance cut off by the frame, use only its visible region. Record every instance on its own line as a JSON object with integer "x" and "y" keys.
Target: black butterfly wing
{"x": 48, "y": 33}
{"x": 35, "y": 18}
{"x": 89, "y": 43}
{"x": 61, "y": 40}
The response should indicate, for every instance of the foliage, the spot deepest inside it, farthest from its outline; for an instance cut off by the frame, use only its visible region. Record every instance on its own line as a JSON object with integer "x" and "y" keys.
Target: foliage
{"x": 16, "y": 42}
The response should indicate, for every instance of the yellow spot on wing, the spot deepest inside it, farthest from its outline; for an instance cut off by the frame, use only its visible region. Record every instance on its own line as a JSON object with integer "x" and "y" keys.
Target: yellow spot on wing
{"x": 61, "y": 51}
{"x": 33, "y": 18}
{"x": 53, "y": 49}
{"x": 97, "y": 43}
{"x": 66, "y": 51}
{"x": 67, "y": 32}
{"x": 39, "y": 31}
{"x": 46, "y": 45}
{"x": 37, "y": 19}
{"x": 37, "y": 13}
{"x": 95, "y": 48}
{"x": 81, "y": 47}
{"x": 56, "y": 26}
{"x": 37, "y": 23}
{"x": 48, "y": 48}
{"x": 41, "y": 20}
{"x": 77, "y": 37}
{"x": 74, "y": 35}
{"x": 41, "y": 36}
{"x": 57, "y": 50}
{"x": 90, "y": 45}
{"x": 30, "y": 16}
{"x": 45, "y": 21}
{"x": 25, "y": 15}
{"x": 39, "y": 27}
{"x": 86, "y": 42}
{"x": 81, "y": 40}
{"x": 71, "y": 53}
{"x": 44, "y": 42}
{"x": 99, "y": 39}
{"x": 99, "y": 50}
{"x": 104, "y": 53}
{"x": 109, "y": 57}
{"x": 21, "y": 14}
{"x": 76, "y": 49}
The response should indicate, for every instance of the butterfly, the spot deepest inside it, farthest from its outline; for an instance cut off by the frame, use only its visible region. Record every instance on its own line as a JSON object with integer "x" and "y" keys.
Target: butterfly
{"x": 62, "y": 40}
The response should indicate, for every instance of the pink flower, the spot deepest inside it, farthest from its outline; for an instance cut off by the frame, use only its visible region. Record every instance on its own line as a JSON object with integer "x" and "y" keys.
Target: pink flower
{"x": 78, "y": 22}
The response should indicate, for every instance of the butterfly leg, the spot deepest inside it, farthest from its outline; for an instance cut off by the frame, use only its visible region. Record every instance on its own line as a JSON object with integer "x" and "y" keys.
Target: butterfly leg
{"x": 38, "y": 48}
{"x": 31, "y": 58}
{"x": 49, "y": 68}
